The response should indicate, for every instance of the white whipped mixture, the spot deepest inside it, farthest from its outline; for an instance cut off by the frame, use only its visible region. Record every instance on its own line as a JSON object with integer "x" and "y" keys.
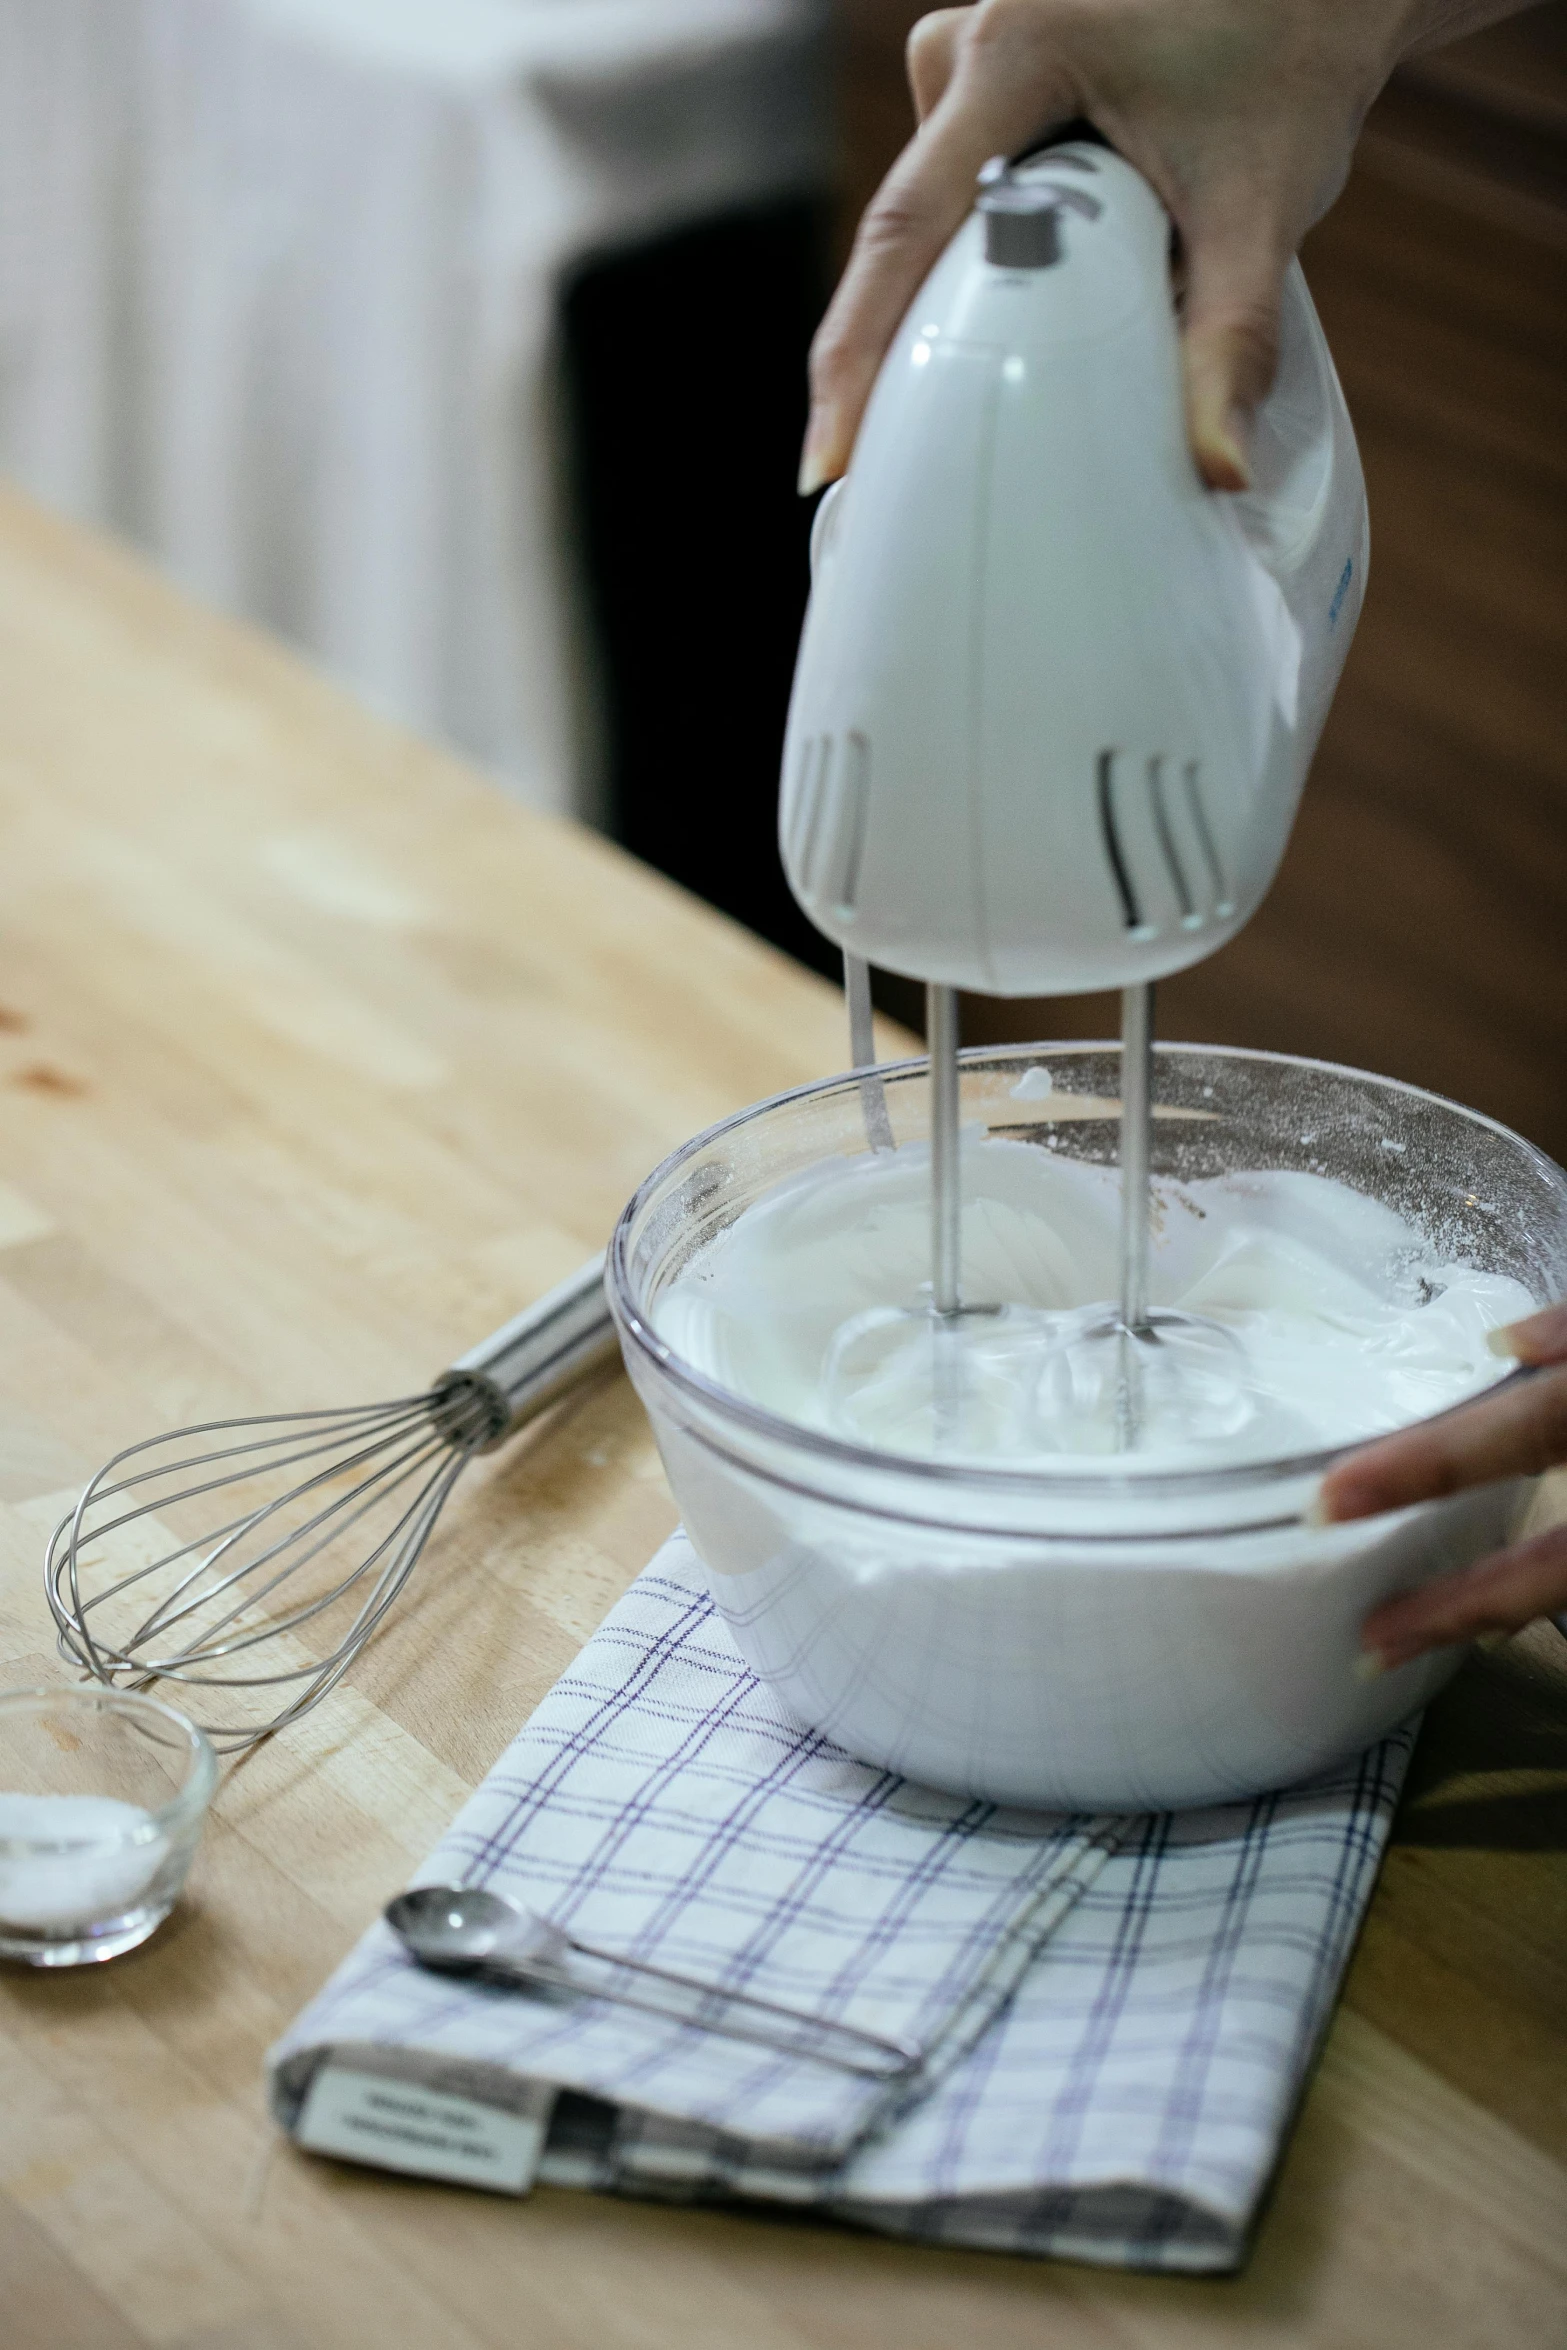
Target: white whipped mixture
{"x": 1320, "y": 1316}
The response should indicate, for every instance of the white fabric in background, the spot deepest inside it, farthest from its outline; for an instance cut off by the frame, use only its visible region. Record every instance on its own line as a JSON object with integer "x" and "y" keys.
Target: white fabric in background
{"x": 278, "y": 289}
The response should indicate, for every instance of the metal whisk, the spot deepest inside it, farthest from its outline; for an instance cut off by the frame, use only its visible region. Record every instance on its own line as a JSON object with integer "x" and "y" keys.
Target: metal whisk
{"x": 335, "y": 1505}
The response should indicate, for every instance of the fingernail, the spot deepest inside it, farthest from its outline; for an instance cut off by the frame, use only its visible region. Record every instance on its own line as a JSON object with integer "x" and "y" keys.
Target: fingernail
{"x": 1316, "y": 1511}
{"x": 1503, "y": 1343}
{"x": 1370, "y": 1665}
{"x": 816, "y": 458}
{"x": 1486, "y": 1641}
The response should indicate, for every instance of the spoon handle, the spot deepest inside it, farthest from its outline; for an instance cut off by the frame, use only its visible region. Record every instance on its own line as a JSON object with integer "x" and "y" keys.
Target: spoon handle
{"x": 737, "y": 2015}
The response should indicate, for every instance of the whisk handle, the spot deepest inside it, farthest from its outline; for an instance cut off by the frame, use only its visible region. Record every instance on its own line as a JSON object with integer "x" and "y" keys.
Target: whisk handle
{"x": 544, "y": 1350}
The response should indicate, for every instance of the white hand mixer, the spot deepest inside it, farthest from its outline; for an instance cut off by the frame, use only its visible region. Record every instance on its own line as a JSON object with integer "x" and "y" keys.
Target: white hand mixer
{"x": 1055, "y": 701}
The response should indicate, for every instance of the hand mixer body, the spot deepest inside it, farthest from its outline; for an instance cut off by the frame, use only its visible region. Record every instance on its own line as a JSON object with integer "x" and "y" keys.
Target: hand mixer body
{"x": 1055, "y": 701}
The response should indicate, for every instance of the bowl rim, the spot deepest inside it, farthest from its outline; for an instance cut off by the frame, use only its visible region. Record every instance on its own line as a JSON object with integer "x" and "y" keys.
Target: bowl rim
{"x": 187, "y": 1804}
{"x": 1076, "y": 1484}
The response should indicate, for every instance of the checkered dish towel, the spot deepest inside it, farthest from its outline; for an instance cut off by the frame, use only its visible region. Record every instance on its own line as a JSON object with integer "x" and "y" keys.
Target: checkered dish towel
{"x": 1115, "y": 2015}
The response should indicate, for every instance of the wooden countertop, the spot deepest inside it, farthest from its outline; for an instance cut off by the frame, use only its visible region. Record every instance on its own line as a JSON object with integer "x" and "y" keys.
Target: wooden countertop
{"x": 317, "y": 1058}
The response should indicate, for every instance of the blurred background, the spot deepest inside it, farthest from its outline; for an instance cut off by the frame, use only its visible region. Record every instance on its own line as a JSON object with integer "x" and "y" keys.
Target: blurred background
{"x": 463, "y": 341}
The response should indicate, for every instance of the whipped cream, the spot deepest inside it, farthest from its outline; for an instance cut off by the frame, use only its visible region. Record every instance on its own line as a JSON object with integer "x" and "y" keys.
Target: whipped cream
{"x": 1297, "y": 1314}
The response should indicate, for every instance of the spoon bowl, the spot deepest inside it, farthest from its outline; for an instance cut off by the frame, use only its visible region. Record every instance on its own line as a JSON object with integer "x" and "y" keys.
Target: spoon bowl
{"x": 457, "y": 1926}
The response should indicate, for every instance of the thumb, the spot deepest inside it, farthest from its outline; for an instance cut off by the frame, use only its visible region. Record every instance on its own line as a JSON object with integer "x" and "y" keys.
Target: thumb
{"x": 1229, "y": 338}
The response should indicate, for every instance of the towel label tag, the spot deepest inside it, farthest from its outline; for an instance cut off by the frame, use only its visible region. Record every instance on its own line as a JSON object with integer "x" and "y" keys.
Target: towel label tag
{"x": 365, "y": 2117}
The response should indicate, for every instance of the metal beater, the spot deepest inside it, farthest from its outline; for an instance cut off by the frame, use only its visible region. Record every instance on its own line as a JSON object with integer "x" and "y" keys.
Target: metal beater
{"x": 1148, "y": 1370}
{"x": 1133, "y": 1327}
{"x": 335, "y": 1510}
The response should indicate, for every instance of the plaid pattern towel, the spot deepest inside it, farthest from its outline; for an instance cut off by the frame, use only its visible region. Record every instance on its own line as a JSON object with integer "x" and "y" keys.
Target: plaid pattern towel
{"x": 1115, "y": 2016}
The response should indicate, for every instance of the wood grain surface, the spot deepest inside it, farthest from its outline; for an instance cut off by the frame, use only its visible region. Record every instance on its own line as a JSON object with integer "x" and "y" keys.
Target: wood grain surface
{"x": 316, "y": 1059}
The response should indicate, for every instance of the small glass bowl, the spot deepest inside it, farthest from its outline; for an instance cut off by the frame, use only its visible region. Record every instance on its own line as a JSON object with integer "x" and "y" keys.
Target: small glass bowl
{"x": 102, "y": 1796}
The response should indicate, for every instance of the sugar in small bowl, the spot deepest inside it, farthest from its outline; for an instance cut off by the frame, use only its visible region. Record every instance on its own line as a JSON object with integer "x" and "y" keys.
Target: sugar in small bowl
{"x": 102, "y": 1797}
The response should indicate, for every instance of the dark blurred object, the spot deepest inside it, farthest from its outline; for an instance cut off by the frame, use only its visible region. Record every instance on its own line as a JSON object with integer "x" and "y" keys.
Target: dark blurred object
{"x": 1419, "y": 925}
{"x": 686, "y": 371}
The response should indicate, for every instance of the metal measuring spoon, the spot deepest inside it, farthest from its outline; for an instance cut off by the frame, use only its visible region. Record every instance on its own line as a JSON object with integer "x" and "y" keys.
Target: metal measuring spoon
{"x": 468, "y": 1930}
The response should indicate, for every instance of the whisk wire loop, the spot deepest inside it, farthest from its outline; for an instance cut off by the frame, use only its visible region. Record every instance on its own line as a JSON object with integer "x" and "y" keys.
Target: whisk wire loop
{"x": 220, "y": 1586}
{"x": 311, "y": 1484}
{"x": 81, "y": 1528}
{"x": 409, "y": 1535}
{"x": 356, "y": 1505}
{"x": 98, "y": 1490}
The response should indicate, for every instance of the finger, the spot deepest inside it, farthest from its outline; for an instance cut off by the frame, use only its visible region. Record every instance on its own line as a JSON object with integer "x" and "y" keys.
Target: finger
{"x": 1538, "y": 1338}
{"x": 1520, "y": 1430}
{"x": 999, "y": 96}
{"x": 1498, "y": 1595}
{"x": 1235, "y": 265}
{"x": 930, "y": 56}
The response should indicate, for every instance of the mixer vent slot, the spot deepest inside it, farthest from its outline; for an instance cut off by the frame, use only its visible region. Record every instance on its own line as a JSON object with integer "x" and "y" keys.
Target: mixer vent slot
{"x": 848, "y": 832}
{"x": 815, "y": 751}
{"x": 1181, "y": 834}
{"x": 1114, "y": 848}
{"x": 827, "y": 825}
{"x": 1223, "y": 901}
{"x": 815, "y": 809}
{"x": 1167, "y": 848}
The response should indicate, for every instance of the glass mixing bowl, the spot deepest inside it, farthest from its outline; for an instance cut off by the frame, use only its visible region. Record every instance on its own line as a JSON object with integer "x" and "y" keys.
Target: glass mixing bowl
{"x": 1090, "y": 1637}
